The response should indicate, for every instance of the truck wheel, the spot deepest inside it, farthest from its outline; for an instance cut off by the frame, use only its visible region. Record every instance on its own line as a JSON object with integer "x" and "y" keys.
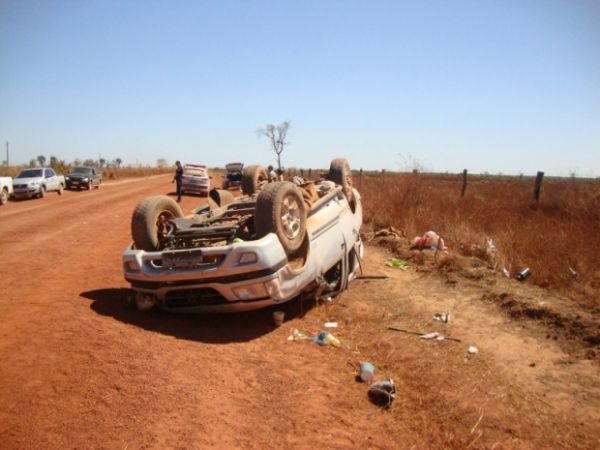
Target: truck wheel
{"x": 150, "y": 221}
{"x": 42, "y": 192}
{"x": 339, "y": 173}
{"x": 61, "y": 189}
{"x": 253, "y": 178}
{"x": 3, "y": 196}
{"x": 280, "y": 209}
{"x": 221, "y": 197}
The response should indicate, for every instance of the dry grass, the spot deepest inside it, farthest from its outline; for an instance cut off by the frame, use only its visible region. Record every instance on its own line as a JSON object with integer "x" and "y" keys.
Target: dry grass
{"x": 559, "y": 235}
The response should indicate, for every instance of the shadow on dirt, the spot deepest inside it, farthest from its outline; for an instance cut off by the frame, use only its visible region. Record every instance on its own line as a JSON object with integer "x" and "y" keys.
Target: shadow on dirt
{"x": 209, "y": 328}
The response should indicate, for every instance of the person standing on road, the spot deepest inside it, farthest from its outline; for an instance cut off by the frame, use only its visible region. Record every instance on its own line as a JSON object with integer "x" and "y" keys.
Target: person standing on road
{"x": 271, "y": 173}
{"x": 177, "y": 179}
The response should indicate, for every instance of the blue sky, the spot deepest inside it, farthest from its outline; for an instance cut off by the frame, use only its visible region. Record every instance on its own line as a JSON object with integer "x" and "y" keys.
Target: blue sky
{"x": 491, "y": 86}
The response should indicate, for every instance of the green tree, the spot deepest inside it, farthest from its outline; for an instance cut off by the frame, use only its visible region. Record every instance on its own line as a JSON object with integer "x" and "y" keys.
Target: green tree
{"x": 118, "y": 162}
{"x": 42, "y": 160}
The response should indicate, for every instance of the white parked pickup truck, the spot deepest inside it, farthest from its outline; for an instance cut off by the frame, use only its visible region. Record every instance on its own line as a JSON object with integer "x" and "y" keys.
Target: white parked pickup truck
{"x": 36, "y": 182}
{"x": 6, "y": 189}
{"x": 281, "y": 239}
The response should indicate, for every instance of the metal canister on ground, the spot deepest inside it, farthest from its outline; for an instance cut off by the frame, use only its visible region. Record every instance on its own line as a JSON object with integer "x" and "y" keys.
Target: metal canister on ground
{"x": 367, "y": 371}
{"x": 523, "y": 274}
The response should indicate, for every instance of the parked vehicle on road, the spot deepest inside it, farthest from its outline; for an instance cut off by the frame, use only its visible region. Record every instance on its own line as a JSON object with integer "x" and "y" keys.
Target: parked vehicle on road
{"x": 282, "y": 240}
{"x": 195, "y": 180}
{"x": 37, "y": 182}
{"x": 83, "y": 178}
{"x": 233, "y": 175}
{"x": 6, "y": 189}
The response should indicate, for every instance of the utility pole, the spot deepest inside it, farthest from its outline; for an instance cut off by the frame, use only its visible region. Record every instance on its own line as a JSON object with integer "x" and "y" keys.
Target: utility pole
{"x": 7, "y": 161}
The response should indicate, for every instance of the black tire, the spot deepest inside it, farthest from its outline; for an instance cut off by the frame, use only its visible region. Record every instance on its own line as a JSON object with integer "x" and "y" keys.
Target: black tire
{"x": 4, "y": 196}
{"x": 42, "y": 192}
{"x": 339, "y": 173}
{"x": 61, "y": 189}
{"x": 280, "y": 209}
{"x": 221, "y": 197}
{"x": 253, "y": 178}
{"x": 149, "y": 221}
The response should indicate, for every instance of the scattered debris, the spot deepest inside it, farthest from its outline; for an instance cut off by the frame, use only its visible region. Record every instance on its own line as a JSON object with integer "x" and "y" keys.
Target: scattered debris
{"x": 422, "y": 334}
{"x": 278, "y": 317}
{"x": 573, "y": 272}
{"x": 299, "y": 336}
{"x": 506, "y": 272}
{"x": 326, "y": 338}
{"x": 491, "y": 246}
{"x": 442, "y": 317}
{"x": 366, "y": 371}
{"x": 433, "y": 335}
{"x": 397, "y": 263}
{"x": 331, "y": 324}
{"x": 473, "y": 350}
{"x": 383, "y": 393}
{"x": 391, "y": 231}
{"x": 430, "y": 240}
{"x": 523, "y": 274}
{"x": 372, "y": 277}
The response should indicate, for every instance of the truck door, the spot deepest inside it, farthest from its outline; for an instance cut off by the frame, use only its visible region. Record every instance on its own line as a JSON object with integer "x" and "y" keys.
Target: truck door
{"x": 51, "y": 180}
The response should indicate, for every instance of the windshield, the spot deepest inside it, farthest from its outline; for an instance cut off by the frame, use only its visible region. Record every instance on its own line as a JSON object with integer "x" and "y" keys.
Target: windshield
{"x": 30, "y": 173}
{"x": 82, "y": 170}
{"x": 195, "y": 172}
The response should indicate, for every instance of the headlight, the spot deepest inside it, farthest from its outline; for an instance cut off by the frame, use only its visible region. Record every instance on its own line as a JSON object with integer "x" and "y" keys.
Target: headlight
{"x": 84, "y": 180}
{"x": 131, "y": 266}
{"x": 67, "y": 178}
{"x": 248, "y": 258}
{"x": 250, "y": 292}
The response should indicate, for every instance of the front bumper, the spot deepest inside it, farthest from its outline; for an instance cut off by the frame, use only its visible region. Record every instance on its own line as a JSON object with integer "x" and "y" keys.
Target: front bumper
{"x": 76, "y": 183}
{"x": 27, "y": 192}
{"x": 237, "y": 277}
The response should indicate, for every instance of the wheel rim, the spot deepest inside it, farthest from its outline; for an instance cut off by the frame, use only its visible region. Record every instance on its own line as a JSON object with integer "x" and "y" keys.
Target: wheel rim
{"x": 290, "y": 217}
{"x": 162, "y": 225}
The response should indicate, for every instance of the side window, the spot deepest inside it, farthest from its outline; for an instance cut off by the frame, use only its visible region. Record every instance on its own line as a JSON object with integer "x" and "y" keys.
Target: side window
{"x": 50, "y": 173}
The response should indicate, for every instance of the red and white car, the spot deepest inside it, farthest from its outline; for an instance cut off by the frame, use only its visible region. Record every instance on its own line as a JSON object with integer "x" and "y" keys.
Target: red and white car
{"x": 195, "y": 180}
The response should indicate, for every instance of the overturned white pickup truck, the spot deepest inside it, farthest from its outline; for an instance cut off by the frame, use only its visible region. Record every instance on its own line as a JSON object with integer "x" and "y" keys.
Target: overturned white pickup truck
{"x": 279, "y": 240}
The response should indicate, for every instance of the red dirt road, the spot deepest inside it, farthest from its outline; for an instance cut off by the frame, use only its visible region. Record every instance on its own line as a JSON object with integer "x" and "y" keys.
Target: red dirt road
{"x": 79, "y": 369}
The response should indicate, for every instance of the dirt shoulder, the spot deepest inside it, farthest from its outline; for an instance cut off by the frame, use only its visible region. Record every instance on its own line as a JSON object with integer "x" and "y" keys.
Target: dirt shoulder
{"x": 80, "y": 369}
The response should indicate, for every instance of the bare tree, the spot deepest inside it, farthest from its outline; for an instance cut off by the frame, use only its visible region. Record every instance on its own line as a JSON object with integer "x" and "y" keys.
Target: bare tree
{"x": 277, "y": 135}
{"x": 118, "y": 162}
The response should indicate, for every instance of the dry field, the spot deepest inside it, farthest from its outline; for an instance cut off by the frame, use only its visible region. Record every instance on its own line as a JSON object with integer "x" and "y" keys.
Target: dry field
{"x": 559, "y": 235}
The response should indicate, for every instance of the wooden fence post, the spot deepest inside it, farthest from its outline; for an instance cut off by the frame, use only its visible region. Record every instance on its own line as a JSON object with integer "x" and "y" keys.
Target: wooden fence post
{"x": 302, "y": 173}
{"x": 464, "y": 185}
{"x": 309, "y": 174}
{"x": 382, "y": 173}
{"x": 537, "y": 187}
